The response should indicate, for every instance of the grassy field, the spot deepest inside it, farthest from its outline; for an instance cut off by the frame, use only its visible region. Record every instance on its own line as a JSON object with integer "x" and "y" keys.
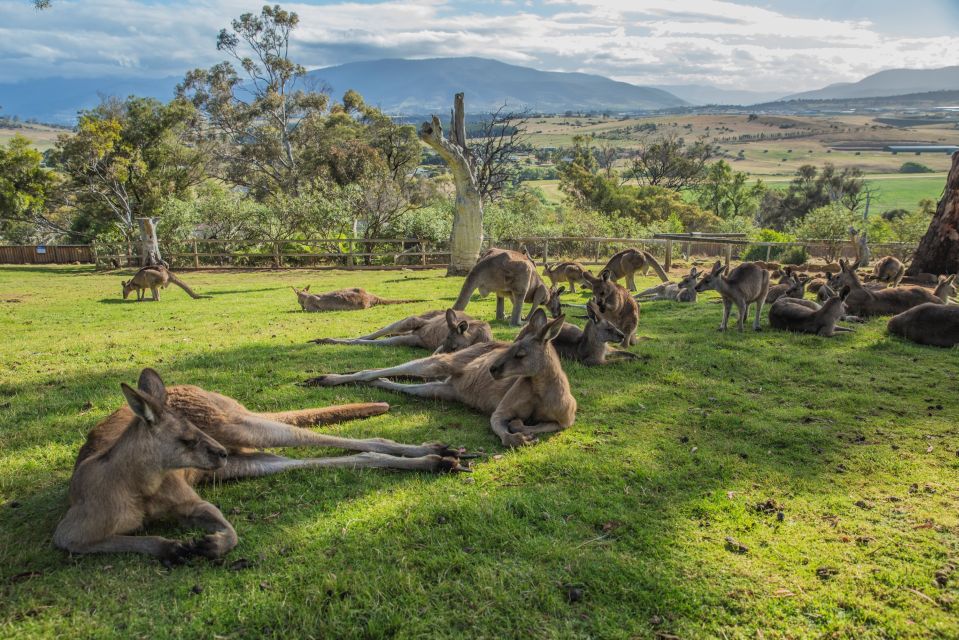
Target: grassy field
{"x": 616, "y": 528}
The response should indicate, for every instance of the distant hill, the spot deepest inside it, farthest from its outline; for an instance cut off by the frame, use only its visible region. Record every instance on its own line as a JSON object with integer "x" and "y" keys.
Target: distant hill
{"x": 892, "y": 82}
{"x": 418, "y": 86}
{"x": 703, "y": 94}
{"x": 945, "y": 101}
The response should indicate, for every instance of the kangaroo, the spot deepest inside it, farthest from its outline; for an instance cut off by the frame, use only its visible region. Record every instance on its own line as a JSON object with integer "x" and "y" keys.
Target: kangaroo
{"x": 509, "y": 274}
{"x": 865, "y": 302}
{"x": 341, "y": 299}
{"x": 946, "y": 289}
{"x": 154, "y": 278}
{"x": 805, "y": 316}
{"x": 889, "y": 270}
{"x": 628, "y": 261}
{"x": 744, "y": 285}
{"x": 568, "y": 272}
{"x": 140, "y": 464}
{"x": 520, "y": 385}
{"x": 932, "y": 324}
{"x": 616, "y": 305}
{"x": 682, "y": 291}
{"x": 438, "y": 331}
{"x": 791, "y": 286}
{"x": 589, "y": 345}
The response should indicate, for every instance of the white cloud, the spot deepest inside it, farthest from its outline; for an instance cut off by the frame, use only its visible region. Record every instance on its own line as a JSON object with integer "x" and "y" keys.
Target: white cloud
{"x": 644, "y": 41}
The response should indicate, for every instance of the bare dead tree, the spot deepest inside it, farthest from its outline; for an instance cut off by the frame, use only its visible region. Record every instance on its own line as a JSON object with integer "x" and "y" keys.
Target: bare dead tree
{"x": 606, "y": 156}
{"x": 494, "y": 147}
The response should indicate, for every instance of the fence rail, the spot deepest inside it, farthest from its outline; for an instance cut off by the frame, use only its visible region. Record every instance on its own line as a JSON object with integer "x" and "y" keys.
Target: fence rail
{"x": 41, "y": 254}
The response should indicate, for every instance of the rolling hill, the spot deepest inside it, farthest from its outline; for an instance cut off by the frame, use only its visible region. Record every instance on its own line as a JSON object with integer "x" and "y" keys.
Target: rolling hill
{"x": 892, "y": 82}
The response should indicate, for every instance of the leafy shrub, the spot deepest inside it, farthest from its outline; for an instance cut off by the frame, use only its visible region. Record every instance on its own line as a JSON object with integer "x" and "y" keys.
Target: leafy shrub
{"x": 767, "y": 235}
{"x": 914, "y": 167}
{"x": 794, "y": 255}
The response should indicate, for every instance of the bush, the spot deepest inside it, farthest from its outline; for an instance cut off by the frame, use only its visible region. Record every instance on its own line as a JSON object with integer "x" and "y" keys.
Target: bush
{"x": 914, "y": 167}
{"x": 767, "y": 235}
{"x": 795, "y": 255}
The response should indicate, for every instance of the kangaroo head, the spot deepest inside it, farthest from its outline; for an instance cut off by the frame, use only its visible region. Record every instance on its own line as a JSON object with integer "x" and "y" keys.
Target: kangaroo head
{"x": 603, "y": 328}
{"x": 605, "y": 291}
{"x": 553, "y": 303}
{"x": 711, "y": 280}
{"x": 947, "y": 287}
{"x": 173, "y": 442}
{"x": 302, "y": 295}
{"x": 847, "y": 274}
{"x": 530, "y": 353}
{"x": 127, "y": 288}
{"x": 458, "y": 335}
{"x": 690, "y": 279}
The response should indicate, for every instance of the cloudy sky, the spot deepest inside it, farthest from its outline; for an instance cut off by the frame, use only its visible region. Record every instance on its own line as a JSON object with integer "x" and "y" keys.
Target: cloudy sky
{"x": 769, "y": 45}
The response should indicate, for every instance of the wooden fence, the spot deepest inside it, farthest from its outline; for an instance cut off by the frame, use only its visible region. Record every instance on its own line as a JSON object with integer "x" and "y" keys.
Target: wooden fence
{"x": 52, "y": 254}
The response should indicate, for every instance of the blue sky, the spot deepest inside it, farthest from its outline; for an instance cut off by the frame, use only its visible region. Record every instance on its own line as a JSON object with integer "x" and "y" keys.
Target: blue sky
{"x": 768, "y": 45}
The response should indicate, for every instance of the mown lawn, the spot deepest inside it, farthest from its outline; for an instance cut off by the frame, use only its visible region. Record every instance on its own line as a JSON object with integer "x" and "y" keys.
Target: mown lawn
{"x": 615, "y": 528}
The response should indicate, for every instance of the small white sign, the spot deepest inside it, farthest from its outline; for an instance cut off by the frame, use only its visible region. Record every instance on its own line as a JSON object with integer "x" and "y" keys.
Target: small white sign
{"x": 41, "y": 249}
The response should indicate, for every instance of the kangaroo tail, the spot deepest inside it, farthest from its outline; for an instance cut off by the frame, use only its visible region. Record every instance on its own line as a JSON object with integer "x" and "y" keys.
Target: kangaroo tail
{"x": 184, "y": 286}
{"x": 329, "y": 415}
{"x": 469, "y": 285}
{"x": 382, "y": 301}
{"x": 651, "y": 261}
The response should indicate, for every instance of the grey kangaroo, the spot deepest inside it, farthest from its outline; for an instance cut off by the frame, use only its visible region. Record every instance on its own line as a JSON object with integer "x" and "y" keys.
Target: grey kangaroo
{"x": 745, "y": 285}
{"x": 437, "y": 331}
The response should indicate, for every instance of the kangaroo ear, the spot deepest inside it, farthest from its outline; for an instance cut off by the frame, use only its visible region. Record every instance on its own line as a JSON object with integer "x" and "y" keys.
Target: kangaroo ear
{"x": 551, "y": 330}
{"x": 538, "y": 320}
{"x": 306, "y": 288}
{"x": 560, "y": 291}
{"x": 450, "y": 318}
{"x": 591, "y": 312}
{"x": 143, "y": 405}
{"x": 152, "y": 385}
{"x": 462, "y": 327}
{"x": 605, "y": 275}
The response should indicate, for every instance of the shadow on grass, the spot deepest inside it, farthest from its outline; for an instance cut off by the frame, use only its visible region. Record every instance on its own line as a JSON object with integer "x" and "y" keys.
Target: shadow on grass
{"x": 52, "y": 269}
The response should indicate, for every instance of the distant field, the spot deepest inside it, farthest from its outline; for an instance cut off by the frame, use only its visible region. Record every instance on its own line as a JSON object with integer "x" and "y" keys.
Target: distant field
{"x": 43, "y": 137}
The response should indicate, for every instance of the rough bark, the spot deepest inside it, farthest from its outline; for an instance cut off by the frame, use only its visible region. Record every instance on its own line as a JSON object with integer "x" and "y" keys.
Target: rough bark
{"x": 467, "y": 237}
{"x": 149, "y": 246}
{"x": 938, "y": 251}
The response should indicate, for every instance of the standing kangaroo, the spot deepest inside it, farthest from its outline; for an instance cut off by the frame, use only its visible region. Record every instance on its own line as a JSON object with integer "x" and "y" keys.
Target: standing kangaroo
{"x": 340, "y": 300}
{"x": 140, "y": 464}
{"x": 889, "y": 270}
{"x": 616, "y": 305}
{"x": 589, "y": 345}
{"x": 569, "y": 272}
{"x": 509, "y": 274}
{"x": 437, "y": 331}
{"x": 628, "y": 261}
{"x": 154, "y": 278}
{"x": 865, "y": 302}
{"x": 520, "y": 385}
{"x": 805, "y": 316}
{"x": 745, "y": 285}
{"x": 682, "y": 291}
{"x": 933, "y": 324}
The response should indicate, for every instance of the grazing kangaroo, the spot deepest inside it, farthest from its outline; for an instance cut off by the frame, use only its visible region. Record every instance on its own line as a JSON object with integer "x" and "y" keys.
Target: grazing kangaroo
{"x": 933, "y": 324}
{"x": 588, "y": 345}
{"x": 154, "y": 278}
{"x": 805, "y": 316}
{"x": 509, "y": 274}
{"x": 340, "y": 300}
{"x": 865, "y": 302}
{"x": 140, "y": 464}
{"x": 616, "y": 305}
{"x": 682, "y": 291}
{"x": 744, "y": 285}
{"x": 568, "y": 272}
{"x": 520, "y": 385}
{"x": 437, "y": 331}
{"x": 628, "y": 261}
{"x": 889, "y": 270}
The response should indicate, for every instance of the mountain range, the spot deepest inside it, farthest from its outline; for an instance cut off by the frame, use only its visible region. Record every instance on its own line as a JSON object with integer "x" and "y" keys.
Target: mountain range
{"x": 892, "y": 82}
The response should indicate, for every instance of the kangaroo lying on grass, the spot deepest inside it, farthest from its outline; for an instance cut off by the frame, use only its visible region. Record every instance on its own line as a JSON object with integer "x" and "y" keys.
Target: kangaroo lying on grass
{"x": 341, "y": 299}
{"x": 154, "y": 278}
{"x": 509, "y": 274}
{"x": 930, "y": 323}
{"x": 790, "y": 286}
{"x": 437, "y": 331}
{"x": 682, "y": 291}
{"x": 589, "y": 345}
{"x": 569, "y": 272}
{"x": 141, "y": 463}
{"x": 889, "y": 270}
{"x": 805, "y": 316}
{"x": 616, "y": 305}
{"x": 946, "y": 289}
{"x": 744, "y": 285}
{"x": 628, "y": 261}
{"x": 865, "y": 302}
{"x": 520, "y": 385}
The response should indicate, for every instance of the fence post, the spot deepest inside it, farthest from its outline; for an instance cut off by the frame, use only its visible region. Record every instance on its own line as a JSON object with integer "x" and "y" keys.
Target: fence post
{"x": 769, "y": 249}
{"x": 729, "y": 254}
{"x": 196, "y": 257}
{"x": 546, "y": 251}
{"x": 277, "y": 260}
{"x": 96, "y": 258}
{"x": 349, "y": 253}
{"x": 669, "y": 255}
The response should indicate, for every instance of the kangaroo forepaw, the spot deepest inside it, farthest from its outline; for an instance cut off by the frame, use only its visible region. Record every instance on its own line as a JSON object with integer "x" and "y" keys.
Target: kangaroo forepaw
{"x": 450, "y": 465}
{"x": 517, "y": 439}
{"x": 176, "y": 553}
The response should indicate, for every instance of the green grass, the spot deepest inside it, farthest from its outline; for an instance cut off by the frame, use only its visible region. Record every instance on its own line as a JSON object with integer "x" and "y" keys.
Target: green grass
{"x": 855, "y": 437}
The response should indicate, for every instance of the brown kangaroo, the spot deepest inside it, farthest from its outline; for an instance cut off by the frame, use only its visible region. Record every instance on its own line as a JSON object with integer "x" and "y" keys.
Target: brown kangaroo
{"x": 616, "y": 305}
{"x": 865, "y": 302}
{"x": 744, "y": 285}
{"x": 930, "y": 323}
{"x": 520, "y": 385}
{"x": 805, "y": 316}
{"x": 889, "y": 270}
{"x": 791, "y": 286}
{"x": 682, "y": 291}
{"x": 509, "y": 274}
{"x": 341, "y": 299}
{"x": 946, "y": 289}
{"x": 588, "y": 346}
{"x": 437, "y": 331}
{"x": 568, "y": 272}
{"x": 628, "y": 261}
{"x": 140, "y": 464}
{"x": 154, "y": 278}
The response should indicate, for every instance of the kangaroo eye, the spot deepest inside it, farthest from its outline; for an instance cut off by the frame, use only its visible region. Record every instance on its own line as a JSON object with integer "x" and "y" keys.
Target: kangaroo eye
{"x": 520, "y": 354}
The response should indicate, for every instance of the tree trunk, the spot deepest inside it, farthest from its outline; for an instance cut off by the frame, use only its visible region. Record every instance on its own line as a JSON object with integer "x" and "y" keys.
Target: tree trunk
{"x": 467, "y": 236}
{"x": 938, "y": 251}
{"x": 149, "y": 246}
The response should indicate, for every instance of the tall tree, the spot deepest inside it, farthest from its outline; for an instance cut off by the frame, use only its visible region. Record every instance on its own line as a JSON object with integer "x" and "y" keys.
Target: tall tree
{"x": 25, "y": 189}
{"x": 938, "y": 251}
{"x": 727, "y": 193}
{"x": 667, "y": 161}
{"x": 811, "y": 189}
